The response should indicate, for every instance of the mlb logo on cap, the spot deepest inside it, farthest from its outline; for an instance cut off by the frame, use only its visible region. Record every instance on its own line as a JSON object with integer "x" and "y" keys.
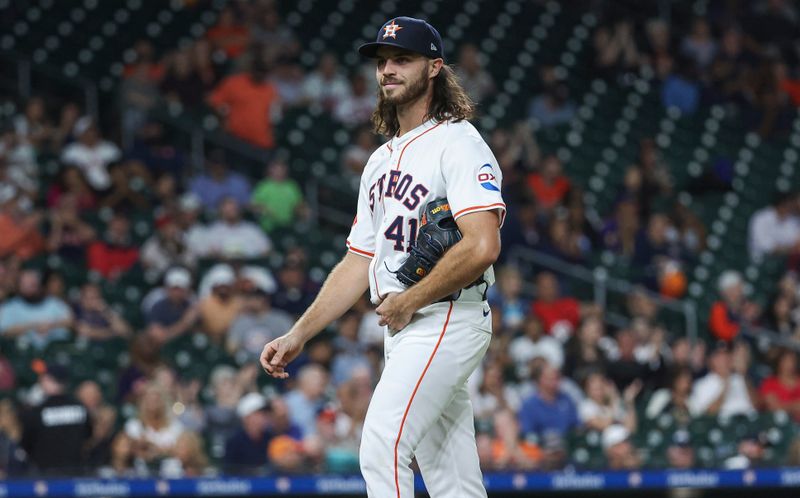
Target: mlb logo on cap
{"x": 407, "y": 33}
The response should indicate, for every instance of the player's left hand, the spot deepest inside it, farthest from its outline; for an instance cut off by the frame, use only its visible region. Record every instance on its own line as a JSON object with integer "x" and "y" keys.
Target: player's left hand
{"x": 394, "y": 312}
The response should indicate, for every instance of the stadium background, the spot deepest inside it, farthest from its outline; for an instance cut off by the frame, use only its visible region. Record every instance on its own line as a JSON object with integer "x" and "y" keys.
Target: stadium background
{"x": 638, "y": 141}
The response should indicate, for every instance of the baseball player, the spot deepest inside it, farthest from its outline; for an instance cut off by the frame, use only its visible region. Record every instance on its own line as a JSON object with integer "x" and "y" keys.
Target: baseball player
{"x": 423, "y": 242}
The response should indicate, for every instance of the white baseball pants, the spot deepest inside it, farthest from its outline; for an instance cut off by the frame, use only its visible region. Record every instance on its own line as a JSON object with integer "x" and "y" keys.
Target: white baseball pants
{"x": 421, "y": 406}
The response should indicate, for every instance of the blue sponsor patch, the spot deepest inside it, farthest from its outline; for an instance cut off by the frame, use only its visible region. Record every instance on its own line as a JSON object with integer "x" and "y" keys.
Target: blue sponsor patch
{"x": 487, "y": 179}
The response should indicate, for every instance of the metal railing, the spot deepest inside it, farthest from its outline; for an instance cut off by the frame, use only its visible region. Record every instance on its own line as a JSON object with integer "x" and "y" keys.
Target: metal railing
{"x": 602, "y": 285}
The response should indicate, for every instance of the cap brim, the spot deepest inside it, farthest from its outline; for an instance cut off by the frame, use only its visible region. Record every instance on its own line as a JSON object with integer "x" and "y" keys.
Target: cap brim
{"x": 371, "y": 49}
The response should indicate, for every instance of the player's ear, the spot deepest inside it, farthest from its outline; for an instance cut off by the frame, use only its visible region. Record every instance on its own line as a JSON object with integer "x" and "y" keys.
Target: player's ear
{"x": 434, "y": 67}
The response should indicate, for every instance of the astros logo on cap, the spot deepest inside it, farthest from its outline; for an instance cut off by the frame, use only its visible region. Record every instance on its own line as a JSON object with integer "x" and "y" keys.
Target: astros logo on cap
{"x": 391, "y": 30}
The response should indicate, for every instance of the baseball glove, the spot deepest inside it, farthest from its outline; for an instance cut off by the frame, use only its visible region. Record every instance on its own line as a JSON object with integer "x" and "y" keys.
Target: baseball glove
{"x": 437, "y": 233}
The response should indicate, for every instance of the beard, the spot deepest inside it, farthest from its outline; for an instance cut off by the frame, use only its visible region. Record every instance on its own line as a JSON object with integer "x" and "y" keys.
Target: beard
{"x": 411, "y": 91}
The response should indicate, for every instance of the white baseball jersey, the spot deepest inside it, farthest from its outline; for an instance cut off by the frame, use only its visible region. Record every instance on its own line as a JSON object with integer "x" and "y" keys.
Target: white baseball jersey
{"x": 432, "y": 161}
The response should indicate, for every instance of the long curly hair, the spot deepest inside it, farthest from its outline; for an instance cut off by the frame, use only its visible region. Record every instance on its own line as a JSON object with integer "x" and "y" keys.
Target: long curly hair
{"x": 450, "y": 101}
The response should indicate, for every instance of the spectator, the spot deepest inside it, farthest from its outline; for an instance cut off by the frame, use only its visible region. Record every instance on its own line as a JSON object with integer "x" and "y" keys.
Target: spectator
{"x": 749, "y": 452}
{"x": 775, "y": 230}
{"x": 549, "y": 410}
{"x": 125, "y": 194}
{"x": 18, "y": 162}
{"x": 656, "y": 178}
{"x": 38, "y": 319}
{"x": 277, "y": 198}
{"x": 295, "y": 290}
{"x": 680, "y": 453}
{"x": 698, "y": 45}
{"x": 350, "y": 357}
{"x": 535, "y": 344}
{"x": 619, "y": 233}
{"x": 476, "y": 80}
{"x": 656, "y": 244}
{"x": 8, "y": 378}
{"x": 356, "y": 108}
{"x": 167, "y": 247}
{"x": 508, "y": 300}
{"x": 724, "y": 391}
{"x": 63, "y": 132}
{"x": 69, "y": 234}
{"x": 559, "y": 315}
{"x": 783, "y": 318}
{"x": 549, "y": 186}
{"x": 104, "y": 427}
{"x": 229, "y": 34}
{"x": 220, "y": 182}
{"x": 732, "y": 311}
{"x": 144, "y": 55}
{"x": 32, "y": 126}
{"x": 12, "y": 458}
{"x": 155, "y": 153}
{"x": 220, "y": 413}
{"x": 184, "y": 82}
{"x": 681, "y": 90}
{"x": 232, "y": 237}
{"x": 257, "y": 324}
{"x": 326, "y": 86}
{"x": 55, "y": 432}
{"x": 19, "y": 225}
{"x": 138, "y": 94}
{"x": 604, "y": 406}
{"x": 502, "y": 449}
{"x": 270, "y": 32}
{"x": 71, "y": 182}
{"x": 673, "y": 400}
{"x": 657, "y": 55}
{"x": 356, "y": 155}
{"x": 492, "y": 397}
{"x": 305, "y": 400}
{"x": 123, "y": 461}
{"x": 246, "y": 450}
{"x": 175, "y": 313}
{"x": 154, "y": 431}
{"x": 219, "y": 308}
{"x": 188, "y": 220}
{"x": 615, "y": 48}
{"x": 91, "y": 154}
{"x": 288, "y": 76}
{"x": 583, "y": 351}
{"x": 553, "y": 107}
{"x": 95, "y": 319}
{"x": 188, "y": 458}
{"x": 620, "y": 452}
{"x": 728, "y": 70}
{"x": 116, "y": 253}
{"x": 781, "y": 391}
{"x": 249, "y": 102}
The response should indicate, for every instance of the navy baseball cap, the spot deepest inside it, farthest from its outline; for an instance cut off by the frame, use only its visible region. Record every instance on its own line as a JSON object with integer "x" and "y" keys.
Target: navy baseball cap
{"x": 409, "y": 33}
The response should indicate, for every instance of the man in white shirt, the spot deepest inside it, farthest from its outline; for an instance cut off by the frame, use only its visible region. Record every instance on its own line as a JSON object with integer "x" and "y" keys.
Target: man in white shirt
{"x": 91, "y": 154}
{"x": 775, "y": 229}
{"x": 232, "y": 237}
{"x": 723, "y": 391}
{"x": 535, "y": 344}
{"x": 326, "y": 86}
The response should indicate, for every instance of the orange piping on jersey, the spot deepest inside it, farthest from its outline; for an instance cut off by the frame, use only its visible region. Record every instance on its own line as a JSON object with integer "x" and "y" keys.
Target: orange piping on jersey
{"x": 479, "y": 208}
{"x": 360, "y": 251}
{"x": 409, "y": 143}
{"x": 414, "y": 393}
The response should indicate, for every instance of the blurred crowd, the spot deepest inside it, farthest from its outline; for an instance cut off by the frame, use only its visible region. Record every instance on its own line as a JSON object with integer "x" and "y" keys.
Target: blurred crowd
{"x": 555, "y": 369}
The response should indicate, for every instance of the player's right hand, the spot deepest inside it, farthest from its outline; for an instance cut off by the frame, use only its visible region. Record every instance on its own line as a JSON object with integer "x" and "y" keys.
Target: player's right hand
{"x": 278, "y": 353}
